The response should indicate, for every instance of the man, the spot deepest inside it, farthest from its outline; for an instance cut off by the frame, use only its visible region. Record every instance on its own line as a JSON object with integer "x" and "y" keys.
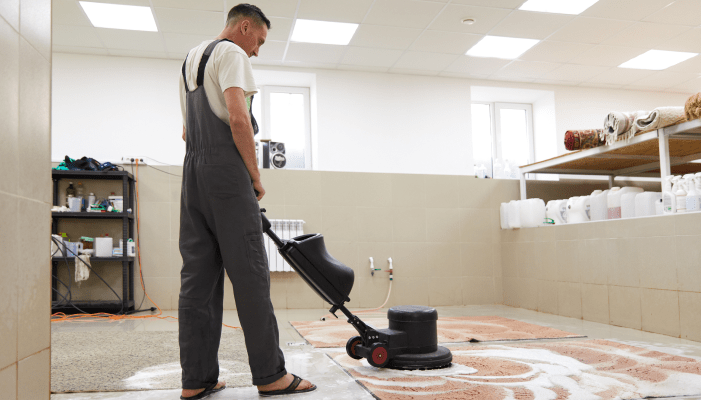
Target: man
{"x": 220, "y": 222}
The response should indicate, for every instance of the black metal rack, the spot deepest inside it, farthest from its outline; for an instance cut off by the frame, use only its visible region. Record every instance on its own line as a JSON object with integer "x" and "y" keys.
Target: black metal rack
{"x": 128, "y": 303}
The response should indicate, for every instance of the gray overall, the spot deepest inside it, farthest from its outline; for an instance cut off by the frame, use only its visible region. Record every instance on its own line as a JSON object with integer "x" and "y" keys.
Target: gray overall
{"x": 221, "y": 229}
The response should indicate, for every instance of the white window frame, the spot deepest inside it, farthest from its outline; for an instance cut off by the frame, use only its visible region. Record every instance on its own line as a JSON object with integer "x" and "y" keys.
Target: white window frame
{"x": 265, "y": 133}
{"x": 528, "y": 108}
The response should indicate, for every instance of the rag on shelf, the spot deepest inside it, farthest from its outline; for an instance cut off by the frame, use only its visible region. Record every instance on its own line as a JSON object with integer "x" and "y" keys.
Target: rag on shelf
{"x": 583, "y": 139}
{"x": 82, "y": 271}
{"x": 624, "y": 126}
{"x": 693, "y": 107}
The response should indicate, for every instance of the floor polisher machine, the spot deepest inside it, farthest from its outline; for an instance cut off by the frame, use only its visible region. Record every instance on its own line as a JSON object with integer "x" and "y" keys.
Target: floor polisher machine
{"x": 410, "y": 342}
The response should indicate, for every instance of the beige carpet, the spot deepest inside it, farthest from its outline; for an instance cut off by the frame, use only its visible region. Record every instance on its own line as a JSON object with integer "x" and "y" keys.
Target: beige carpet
{"x": 588, "y": 369}
{"x": 109, "y": 361}
{"x": 335, "y": 333}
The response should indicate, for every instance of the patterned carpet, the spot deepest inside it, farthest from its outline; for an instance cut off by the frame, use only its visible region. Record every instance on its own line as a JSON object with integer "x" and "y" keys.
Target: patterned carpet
{"x": 586, "y": 369}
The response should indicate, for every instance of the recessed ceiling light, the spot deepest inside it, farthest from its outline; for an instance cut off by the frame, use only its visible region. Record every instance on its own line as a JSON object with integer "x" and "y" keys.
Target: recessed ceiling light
{"x": 323, "y": 32}
{"x": 501, "y": 47}
{"x": 657, "y": 60}
{"x": 117, "y": 16}
{"x": 468, "y": 21}
{"x": 573, "y": 7}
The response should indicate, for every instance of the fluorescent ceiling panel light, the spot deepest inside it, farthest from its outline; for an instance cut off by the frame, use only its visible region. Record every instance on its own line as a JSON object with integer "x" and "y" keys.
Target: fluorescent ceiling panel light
{"x": 501, "y": 47}
{"x": 117, "y": 16}
{"x": 323, "y": 32}
{"x": 573, "y": 7}
{"x": 657, "y": 60}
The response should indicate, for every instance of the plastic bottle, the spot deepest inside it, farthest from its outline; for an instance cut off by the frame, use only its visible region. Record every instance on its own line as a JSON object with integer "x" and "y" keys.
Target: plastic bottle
{"x": 680, "y": 193}
{"x": 698, "y": 181}
{"x": 693, "y": 195}
{"x": 91, "y": 199}
{"x": 669, "y": 200}
{"x": 79, "y": 192}
{"x": 70, "y": 191}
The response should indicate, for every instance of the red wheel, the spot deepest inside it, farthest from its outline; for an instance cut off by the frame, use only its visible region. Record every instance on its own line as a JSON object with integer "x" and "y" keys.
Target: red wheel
{"x": 350, "y": 347}
{"x": 378, "y": 355}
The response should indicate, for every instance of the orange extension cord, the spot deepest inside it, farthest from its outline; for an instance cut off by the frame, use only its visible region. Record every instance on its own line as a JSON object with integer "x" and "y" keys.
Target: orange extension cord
{"x": 62, "y": 317}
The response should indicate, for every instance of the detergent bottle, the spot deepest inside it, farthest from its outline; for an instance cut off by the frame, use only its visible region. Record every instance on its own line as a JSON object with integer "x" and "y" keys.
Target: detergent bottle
{"x": 669, "y": 200}
{"x": 693, "y": 195}
{"x": 680, "y": 193}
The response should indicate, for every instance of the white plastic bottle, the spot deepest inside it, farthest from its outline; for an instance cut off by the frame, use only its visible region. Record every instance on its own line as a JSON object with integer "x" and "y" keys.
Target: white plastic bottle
{"x": 669, "y": 200}
{"x": 680, "y": 193}
{"x": 693, "y": 195}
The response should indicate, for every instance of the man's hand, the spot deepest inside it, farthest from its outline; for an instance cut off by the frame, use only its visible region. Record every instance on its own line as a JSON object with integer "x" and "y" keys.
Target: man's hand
{"x": 260, "y": 191}
{"x": 184, "y": 133}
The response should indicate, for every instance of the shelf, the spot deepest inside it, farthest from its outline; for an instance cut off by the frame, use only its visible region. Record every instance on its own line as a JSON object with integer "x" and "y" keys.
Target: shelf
{"x": 115, "y": 175}
{"x": 91, "y": 215}
{"x": 655, "y": 154}
{"x": 115, "y": 305}
{"x": 96, "y": 259}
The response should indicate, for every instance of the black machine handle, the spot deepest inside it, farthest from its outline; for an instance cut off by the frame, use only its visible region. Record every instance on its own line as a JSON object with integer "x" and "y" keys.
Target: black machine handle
{"x": 267, "y": 229}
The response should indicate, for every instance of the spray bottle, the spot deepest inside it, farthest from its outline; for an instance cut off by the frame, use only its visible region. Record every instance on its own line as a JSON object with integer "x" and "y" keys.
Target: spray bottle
{"x": 669, "y": 200}
{"x": 680, "y": 193}
{"x": 698, "y": 181}
{"x": 693, "y": 195}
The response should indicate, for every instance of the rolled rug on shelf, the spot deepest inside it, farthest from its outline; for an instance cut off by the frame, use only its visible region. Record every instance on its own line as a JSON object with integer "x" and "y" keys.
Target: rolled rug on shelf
{"x": 658, "y": 118}
{"x": 693, "y": 107}
{"x": 583, "y": 139}
{"x": 619, "y": 126}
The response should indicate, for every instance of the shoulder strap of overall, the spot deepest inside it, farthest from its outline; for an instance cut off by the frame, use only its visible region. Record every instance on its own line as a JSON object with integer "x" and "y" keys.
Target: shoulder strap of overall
{"x": 205, "y": 57}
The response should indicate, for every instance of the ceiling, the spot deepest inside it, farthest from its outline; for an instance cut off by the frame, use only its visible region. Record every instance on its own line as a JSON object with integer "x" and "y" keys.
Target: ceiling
{"x": 426, "y": 38}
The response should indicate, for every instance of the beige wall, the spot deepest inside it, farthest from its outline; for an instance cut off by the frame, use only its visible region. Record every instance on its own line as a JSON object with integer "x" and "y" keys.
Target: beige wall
{"x": 642, "y": 273}
{"x": 25, "y": 196}
{"x": 441, "y": 232}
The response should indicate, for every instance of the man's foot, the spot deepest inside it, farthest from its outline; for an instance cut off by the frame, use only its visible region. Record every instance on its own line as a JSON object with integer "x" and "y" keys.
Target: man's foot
{"x": 194, "y": 392}
{"x": 283, "y": 383}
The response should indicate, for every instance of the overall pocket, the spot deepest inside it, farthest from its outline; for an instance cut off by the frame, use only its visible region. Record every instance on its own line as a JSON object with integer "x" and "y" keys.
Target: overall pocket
{"x": 257, "y": 259}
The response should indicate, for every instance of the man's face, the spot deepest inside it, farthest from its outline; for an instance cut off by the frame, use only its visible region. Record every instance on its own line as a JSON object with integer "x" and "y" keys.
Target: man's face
{"x": 253, "y": 38}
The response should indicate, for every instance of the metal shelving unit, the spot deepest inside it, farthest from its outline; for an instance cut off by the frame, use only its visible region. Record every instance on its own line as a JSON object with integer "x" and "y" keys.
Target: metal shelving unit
{"x": 127, "y": 303}
{"x": 655, "y": 154}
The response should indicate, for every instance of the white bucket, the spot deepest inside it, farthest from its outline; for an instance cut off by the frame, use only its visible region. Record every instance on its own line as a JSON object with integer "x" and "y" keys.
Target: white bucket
{"x": 103, "y": 246}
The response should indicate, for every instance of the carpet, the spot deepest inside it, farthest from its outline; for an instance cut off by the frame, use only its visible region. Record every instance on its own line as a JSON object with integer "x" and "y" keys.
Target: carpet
{"x": 583, "y": 139}
{"x": 692, "y": 108}
{"x": 109, "y": 361}
{"x": 588, "y": 369}
{"x": 335, "y": 333}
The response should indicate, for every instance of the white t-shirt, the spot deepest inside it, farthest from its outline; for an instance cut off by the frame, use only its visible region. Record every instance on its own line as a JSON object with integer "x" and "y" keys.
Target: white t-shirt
{"x": 228, "y": 66}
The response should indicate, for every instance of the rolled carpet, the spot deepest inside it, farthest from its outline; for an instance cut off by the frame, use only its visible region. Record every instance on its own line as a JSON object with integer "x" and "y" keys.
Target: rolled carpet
{"x": 619, "y": 125}
{"x": 658, "y": 118}
{"x": 583, "y": 139}
{"x": 693, "y": 107}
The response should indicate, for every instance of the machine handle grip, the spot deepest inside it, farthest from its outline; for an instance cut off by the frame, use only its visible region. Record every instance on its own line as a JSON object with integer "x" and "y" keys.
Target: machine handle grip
{"x": 267, "y": 229}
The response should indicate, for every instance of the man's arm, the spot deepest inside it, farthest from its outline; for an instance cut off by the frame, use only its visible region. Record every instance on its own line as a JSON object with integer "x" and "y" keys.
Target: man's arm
{"x": 242, "y": 132}
{"x": 183, "y": 133}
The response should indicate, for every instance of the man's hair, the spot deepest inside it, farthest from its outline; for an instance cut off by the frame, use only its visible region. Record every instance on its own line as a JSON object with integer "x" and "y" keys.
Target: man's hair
{"x": 245, "y": 10}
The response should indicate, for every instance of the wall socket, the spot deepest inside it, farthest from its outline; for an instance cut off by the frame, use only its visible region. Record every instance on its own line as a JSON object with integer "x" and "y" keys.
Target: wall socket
{"x": 132, "y": 160}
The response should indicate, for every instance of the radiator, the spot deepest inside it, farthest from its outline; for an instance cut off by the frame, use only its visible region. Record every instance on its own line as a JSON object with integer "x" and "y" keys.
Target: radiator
{"x": 285, "y": 229}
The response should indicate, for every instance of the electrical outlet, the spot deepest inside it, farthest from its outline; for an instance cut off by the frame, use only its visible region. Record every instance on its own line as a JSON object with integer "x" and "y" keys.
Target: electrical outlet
{"x": 132, "y": 160}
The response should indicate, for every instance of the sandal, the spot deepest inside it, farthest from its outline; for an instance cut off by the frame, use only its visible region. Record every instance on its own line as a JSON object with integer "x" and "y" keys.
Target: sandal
{"x": 205, "y": 393}
{"x": 288, "y": 390}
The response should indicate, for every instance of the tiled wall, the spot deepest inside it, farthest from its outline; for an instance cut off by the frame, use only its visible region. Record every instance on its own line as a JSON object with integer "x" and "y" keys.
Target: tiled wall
{"x": 642, "y": 273}
{"x": 441, "y": 232}
{"x": 25, "y": 196}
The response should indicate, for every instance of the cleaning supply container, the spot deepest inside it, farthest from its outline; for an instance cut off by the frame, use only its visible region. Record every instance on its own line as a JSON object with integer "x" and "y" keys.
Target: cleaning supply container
{"x": 532, "y": 213}
{"x": 599, "y": 205}
{"x": 103, "y": 246}
{"x": 578, "y": 209}
{"x": 555, "y": 211}
{"x": 504, "y": 216}
{"x": 514, "y": 214}
{"x": 693, "y": 195}
{"x": 669, "y": 200}
{"x": 646, "y": 203}
{"x": 627, "y": 199}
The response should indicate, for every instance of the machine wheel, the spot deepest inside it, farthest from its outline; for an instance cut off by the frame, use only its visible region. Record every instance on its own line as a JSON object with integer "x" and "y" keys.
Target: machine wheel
{"x": 350, "y": 347}
{"x": 378, "y": 355}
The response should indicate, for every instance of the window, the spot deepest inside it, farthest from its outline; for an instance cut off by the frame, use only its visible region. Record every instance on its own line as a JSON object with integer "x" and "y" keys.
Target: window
{"x": 283, "y": 115}
{"x": 502, "y": 138}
